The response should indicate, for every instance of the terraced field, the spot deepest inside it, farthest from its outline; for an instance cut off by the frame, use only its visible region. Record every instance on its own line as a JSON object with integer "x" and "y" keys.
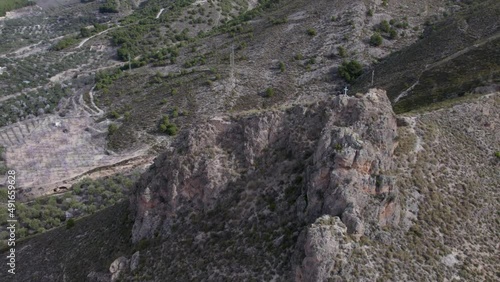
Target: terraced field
{"x": 51, "y": 152}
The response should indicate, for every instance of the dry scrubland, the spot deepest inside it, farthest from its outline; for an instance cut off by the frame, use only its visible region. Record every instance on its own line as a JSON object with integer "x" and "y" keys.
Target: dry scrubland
{"x": 270, "y": 176}
{"x": 444, "y": 173}
{"x": 447, "y": 172}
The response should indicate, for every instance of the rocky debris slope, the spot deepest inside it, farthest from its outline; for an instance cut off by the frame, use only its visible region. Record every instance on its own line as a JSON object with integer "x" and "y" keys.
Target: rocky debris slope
{"x": 277, "y": 167}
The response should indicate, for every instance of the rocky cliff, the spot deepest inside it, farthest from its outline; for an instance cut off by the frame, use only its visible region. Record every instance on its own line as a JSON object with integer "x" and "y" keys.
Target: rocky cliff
{"x": 299, "y": 164}
{"x": 258, "y": 222}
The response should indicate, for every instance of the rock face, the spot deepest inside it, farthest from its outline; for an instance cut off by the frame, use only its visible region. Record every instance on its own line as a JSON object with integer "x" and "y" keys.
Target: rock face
{"x": 340, "y": 148}
{"x": 354, "y": 151}
{"x": 326, "y": 250}
{"x": 352, "y": 141}
{"x": 116, "y": 268}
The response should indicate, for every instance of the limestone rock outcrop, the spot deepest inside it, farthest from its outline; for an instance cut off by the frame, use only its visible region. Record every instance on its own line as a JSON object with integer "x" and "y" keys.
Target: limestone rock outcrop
{"x": 342, "y": 150}
{"x": 326, "y": 248}
{"x": 352, "y": 140}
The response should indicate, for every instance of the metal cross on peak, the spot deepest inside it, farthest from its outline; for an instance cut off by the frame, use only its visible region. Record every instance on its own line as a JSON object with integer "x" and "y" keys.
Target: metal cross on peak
{"x": 345, "y": 90}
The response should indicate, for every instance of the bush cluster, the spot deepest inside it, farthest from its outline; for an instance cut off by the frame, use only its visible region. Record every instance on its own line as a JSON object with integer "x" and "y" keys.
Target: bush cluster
{"x": 64, "y": 43}
{"x": 350, "y": 70}
{"x": 167, "y": 127}
{"x": 110, "y": 6}
{"x": 376, "y": 39}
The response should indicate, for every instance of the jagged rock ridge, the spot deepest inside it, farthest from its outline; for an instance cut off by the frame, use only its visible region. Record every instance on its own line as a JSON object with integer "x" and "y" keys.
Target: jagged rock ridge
{"x": 336, "y": 150}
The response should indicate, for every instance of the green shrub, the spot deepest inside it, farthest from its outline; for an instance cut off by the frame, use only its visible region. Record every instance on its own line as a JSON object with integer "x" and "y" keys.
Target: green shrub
{"x": 350, "y": 70}
{"x": 393, "y": 34}
{"x": 497, "y": 154}
{"x": 376, "y": 39}
{"x": 70, "y": 223}
{"x": 112, "y": 128}
{"x": 282, "y": 67}
{"x": 404, "y": 25}
{"x": 85, "y": 32}
{"x": 342, "y": 51}
{"x": 109, "y": 7}
{"x": 175, "y": 112}
{"x": 384, "y": 26}
{"x": 172, "y": 130}
{"x": 114, "y": 115}
{"x": 338, "y": 147}
{"x": 369, "y": 13}
{"x": 311, "y": 32}
{"x": 167, "y": 127}
{"x": 279, "y": 21}
{"x": 123, "y": 53}
{"x": 269, "y": 92}
{"x": 64, "y": 43}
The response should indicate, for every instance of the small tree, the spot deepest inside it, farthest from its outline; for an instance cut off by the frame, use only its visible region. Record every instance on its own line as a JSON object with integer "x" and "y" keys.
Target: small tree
{"x": 123, "y": 53}
{"x": 171, "y": 129}
{"x": 350, "y": 70}
{"x": 376, "y": 39}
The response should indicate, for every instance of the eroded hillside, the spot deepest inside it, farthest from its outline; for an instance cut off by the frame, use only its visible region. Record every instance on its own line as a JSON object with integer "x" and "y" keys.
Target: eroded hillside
{"x": 263, "y": 169}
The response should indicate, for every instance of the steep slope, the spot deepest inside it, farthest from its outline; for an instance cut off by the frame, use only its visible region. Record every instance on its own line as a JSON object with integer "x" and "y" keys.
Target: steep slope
{"x": 455, "y": 56}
